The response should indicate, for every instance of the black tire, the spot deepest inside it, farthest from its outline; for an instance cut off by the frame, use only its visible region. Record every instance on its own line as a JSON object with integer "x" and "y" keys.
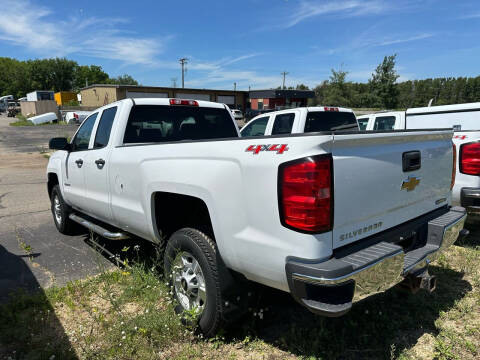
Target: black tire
{"x": 215, "y": 274}
{"x": 61, "y": 212}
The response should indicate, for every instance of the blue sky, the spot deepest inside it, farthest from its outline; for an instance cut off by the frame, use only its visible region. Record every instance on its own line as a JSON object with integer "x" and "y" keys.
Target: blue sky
{"x": 249, "y": 42}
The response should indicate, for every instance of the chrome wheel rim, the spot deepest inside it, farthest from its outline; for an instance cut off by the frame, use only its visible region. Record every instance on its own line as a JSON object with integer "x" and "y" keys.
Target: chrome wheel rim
{"x": 57, "y": 209}
{"x": 189, "y": 282}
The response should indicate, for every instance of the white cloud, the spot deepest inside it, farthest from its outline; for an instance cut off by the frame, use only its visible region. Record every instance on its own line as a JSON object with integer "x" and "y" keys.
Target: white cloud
{"x": 308, "y": 9}
{"x": 392, "y": 41}
{"x": 37, "y": 28}
{"x": 474, "y": 15}
{"x": 368, "y": 40}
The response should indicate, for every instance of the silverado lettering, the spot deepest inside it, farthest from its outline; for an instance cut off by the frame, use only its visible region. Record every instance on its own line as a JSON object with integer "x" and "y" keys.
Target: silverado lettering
{"x": 360, "y": 231}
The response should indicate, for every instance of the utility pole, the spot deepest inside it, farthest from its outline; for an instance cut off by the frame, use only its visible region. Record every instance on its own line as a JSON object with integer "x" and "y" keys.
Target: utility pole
{"x": 234, "y": 95}
{"x": 174, "y": 82}
{"x": 183, "y": 62}
{"x": 284, "y": 74}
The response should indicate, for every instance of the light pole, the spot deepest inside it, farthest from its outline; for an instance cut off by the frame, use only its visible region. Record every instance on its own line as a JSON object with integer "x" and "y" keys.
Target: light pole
{"x": 235, "y": 95}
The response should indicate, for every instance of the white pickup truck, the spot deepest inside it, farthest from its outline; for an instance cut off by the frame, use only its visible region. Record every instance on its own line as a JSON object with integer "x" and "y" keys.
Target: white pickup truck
{"x": 329, "y": 217}
{"x": 465, "y": 121}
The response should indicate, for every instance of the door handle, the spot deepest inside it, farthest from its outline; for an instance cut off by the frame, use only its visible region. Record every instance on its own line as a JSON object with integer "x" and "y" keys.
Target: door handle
{"x": 79, "y": 162}
{"x": 100, "y": 163}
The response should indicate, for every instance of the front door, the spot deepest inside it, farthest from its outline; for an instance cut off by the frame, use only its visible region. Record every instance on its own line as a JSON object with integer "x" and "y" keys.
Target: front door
{"x": 74, "y": 186}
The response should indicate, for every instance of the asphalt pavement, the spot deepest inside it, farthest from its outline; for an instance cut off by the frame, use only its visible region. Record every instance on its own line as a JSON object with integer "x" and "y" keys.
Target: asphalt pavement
{"x": 33, "y": 254}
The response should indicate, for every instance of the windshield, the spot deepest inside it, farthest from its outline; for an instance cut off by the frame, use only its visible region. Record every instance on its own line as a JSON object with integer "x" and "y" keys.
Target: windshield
{"x": 330, "y": 121}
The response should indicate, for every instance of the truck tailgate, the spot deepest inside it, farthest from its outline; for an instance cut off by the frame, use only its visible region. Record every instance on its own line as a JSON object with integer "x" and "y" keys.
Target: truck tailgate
{"x": 374, "y": 190}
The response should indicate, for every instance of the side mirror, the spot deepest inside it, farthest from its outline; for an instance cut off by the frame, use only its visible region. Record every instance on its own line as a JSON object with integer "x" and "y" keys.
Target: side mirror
{"x": 59, "y": 143}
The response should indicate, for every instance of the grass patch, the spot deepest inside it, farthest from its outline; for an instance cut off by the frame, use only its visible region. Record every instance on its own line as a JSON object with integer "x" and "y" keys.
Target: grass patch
{"x": 22, "y": 121}
{"x": 128, "y": 314}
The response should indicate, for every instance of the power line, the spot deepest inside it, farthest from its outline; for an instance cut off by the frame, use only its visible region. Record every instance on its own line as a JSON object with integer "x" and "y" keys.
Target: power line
{"x": 183, "y": 62}
{"x": 284, "y": 74}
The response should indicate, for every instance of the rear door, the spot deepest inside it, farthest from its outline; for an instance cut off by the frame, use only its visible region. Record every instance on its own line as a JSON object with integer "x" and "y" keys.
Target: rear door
{"x": 374, "y": 190}
{"x": 96, "y": 164}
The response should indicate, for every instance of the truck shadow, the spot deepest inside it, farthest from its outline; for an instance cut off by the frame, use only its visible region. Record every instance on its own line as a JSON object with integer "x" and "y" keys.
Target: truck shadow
{"x": 28, "y": 324}
{"x": 473, "y": 239}
{"x": 381, "y": 326}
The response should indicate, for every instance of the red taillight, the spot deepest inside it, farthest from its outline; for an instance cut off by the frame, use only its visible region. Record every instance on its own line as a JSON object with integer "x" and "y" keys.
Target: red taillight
{"x": 470, "y": 158}
{"x": 183, "y": 102}
{"x": 306, "y": 194}
{"x": 326, "y": 108}
{"x": 454, "y": 166}
{"x": 75, "y": 115}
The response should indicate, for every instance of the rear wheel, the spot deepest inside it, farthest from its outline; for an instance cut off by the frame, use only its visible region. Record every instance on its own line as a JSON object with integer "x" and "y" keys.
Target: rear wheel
{"x": 194, "y": 272}
{"x": 61, "y": 212}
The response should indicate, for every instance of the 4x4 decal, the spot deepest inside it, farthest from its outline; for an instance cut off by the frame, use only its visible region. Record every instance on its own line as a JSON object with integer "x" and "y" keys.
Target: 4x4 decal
{"x": 279, "y": 148}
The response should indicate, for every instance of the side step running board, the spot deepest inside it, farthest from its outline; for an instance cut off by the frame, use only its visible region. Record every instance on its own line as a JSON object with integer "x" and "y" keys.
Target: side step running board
{"x": 98, "y": 229}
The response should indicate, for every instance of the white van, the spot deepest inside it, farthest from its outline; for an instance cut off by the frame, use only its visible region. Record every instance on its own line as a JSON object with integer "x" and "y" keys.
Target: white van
{"x": 465, "y": 121}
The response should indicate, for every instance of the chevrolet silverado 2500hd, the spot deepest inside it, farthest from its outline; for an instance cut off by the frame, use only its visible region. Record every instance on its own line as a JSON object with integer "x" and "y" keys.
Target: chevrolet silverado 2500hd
{"x": 465, "y": 121}
{"x": 329, "y": 217}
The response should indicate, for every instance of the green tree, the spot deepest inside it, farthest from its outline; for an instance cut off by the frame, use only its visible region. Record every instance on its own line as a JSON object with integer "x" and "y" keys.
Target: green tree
{"x": 383, "y": 82}
{"x": 302, "y": 87}
{"x": 52, "y": 74}
{"x": 336, "y": 90}
{"x": 88, "y": 75}
{"x": 123, "y": 80}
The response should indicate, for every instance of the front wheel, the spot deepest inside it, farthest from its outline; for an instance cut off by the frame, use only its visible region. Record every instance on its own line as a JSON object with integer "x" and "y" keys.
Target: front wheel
{"x": 61, "y": 212}
{"x": 191, "y": 265}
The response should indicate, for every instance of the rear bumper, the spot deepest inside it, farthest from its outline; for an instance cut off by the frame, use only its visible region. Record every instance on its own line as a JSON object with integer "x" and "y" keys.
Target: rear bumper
{"x": 373, "y": 265}
{"x": 470, "y": 200}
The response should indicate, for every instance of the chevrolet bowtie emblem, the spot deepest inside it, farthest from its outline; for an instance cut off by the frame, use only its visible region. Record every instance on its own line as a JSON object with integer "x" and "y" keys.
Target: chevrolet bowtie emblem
{"x": 411, "y": 183}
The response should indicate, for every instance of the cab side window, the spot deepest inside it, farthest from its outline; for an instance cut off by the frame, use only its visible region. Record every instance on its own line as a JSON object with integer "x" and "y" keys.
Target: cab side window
{"x": 104, "y": 128}
{"x": 283, "y": 124}
{"x": 256, "y": 127}
{"x": 384, "y": 123}
{"x": 82, "y": 138}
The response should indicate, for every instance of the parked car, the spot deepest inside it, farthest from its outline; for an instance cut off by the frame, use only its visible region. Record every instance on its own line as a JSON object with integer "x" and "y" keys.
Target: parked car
{"x": 76, "y": 117}
{"x": 13, "y": 108}
{"x": 237, "y": 114}
{"x": 330, "y": 217}
{"x": 301, "y": 120}
{"x": 251, "y": 113}
{"x": 465, "y": 121}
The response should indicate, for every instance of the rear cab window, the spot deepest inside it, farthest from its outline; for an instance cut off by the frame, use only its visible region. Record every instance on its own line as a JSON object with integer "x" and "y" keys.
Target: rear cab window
{"x": 317, "y": 121}
{"x": 163, "y": 123}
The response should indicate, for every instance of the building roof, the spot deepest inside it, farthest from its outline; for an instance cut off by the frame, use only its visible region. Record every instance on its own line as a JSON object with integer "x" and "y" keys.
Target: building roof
{"x": 277, "y": 93}
{"x": 141, "y": 87}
